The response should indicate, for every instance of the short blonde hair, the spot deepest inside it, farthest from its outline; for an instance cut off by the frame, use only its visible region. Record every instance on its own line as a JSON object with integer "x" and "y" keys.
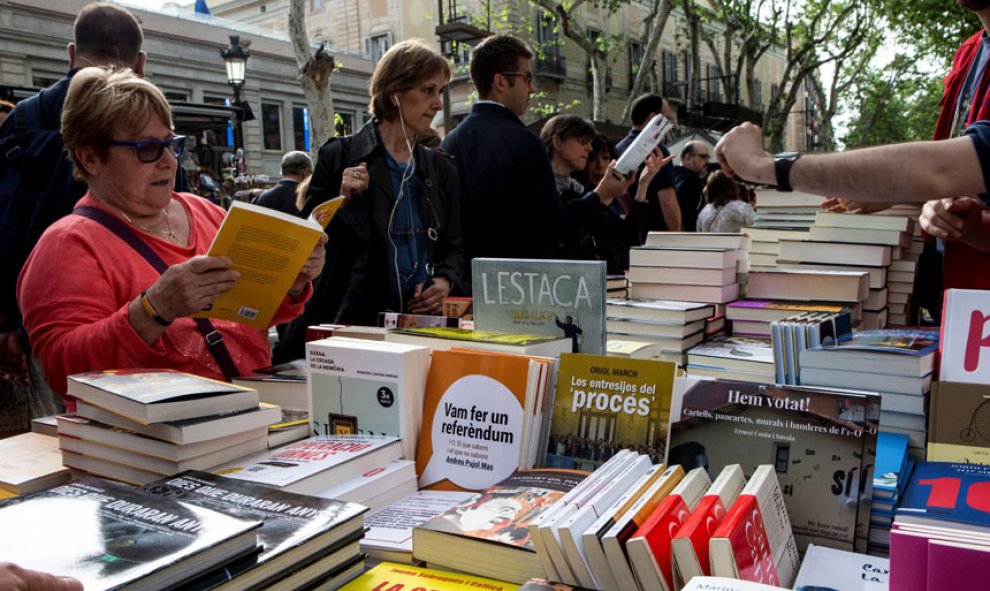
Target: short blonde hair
{"x": 402, "y": 67}
{"x": 101, "y": 100}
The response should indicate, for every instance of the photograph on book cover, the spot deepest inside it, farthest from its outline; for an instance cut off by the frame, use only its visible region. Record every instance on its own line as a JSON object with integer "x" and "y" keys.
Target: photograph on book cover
{"x": 813, "y": 438}
{"x": 342, "y": 400}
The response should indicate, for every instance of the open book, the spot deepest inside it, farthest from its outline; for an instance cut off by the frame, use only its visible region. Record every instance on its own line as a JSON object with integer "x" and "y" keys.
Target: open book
{"x": 324, "y": 212}
{"x": 269, "y": 248}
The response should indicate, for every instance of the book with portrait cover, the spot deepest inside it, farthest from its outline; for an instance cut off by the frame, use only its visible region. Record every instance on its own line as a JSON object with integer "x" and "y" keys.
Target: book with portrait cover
{"x": 488, "y": 533}
{"x": 268, "y": 248}
{"x": 815, "y": 439}
{"x": 110, "y": 536}
{"x": 604, "y": 403}
{"x": 550, "y": 297}
{"x": 295, "y": 528}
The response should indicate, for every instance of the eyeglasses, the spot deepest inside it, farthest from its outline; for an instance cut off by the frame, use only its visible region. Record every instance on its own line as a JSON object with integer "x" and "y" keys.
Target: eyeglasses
{"x": 526, "y": 76}
{"x": 705, "y": 156}
{"x": 149, "y": 151}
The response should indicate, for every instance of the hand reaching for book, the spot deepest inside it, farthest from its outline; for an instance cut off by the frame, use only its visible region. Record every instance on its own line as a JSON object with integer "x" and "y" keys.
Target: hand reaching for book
{"x": 613, "y": 184}
{"x": 654, "y": 162}
{"x": 429, "y": 300}
{"x": 15, "y": 578}
{"x": 313, "y": 267}
{"x": 952, "y": 218}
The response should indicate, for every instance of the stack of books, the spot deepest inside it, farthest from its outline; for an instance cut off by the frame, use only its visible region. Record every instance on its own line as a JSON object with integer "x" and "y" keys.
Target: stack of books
{"x": 850, "y": 289}
{"x": 752, "y": 318}
{"x": 689, "y": 266}
{"x": 376, "y": 487}
{"x": 854, "y": 242}
{"x": 897, "y": 363}
{"x": 808, "y": 330}
{"x": 792, "y": 210}
{"x": 903, "y": 270}
{"x": 733, "y": 358}
{"x": 765, "y": 246}
{"x": 940, "y": 540}
{"x": 890, "y": 478}
{"x": 283, "y": 385}
{"x": 673, "y": 326}
{"x": 139, "y": 425}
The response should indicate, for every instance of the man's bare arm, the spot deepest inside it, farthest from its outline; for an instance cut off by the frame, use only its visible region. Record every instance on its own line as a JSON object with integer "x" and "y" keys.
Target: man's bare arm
{"x": 898, "y": 173}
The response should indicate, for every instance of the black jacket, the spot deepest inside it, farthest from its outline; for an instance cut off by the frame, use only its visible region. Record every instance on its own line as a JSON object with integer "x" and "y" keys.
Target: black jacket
{"x": 689, "y": 188}
{"x": 509, "y": 202}
{"x": 281, "y": 197}
{"x": 353, "y": 287}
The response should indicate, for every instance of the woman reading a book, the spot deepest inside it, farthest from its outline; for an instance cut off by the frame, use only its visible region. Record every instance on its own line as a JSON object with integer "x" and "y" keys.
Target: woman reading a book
{"x": 115, "y": 284}
{"x": 395, "y": 244}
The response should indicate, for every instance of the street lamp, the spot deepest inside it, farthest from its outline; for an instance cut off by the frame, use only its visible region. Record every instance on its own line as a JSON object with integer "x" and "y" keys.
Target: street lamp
{"x": 235, "y": 60}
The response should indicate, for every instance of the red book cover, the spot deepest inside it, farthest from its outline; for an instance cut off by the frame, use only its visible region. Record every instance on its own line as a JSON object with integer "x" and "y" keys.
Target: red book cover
{"x": 657, "y": 532}
{"x": 700, "y": 527}
{"x": 747, "y": 536}
{"x": 908, "y": 560}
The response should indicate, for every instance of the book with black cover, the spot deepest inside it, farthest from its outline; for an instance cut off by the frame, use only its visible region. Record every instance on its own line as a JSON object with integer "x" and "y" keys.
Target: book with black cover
{"x": 294, "y": 527}
{"x": 111, "y": 536}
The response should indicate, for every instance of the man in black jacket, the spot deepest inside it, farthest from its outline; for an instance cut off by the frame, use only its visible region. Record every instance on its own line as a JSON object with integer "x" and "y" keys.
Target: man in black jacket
{"x": 296, "y": 167}
{"x": 509, "y": 202}
{"x": 689, "y": 182}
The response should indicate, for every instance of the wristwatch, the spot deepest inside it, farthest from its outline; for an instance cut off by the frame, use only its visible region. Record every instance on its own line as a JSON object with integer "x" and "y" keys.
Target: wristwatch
{"x": 782, "y": 167}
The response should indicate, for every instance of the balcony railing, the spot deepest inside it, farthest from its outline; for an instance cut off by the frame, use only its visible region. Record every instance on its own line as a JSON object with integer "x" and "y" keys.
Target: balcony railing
{"x": 550, "y": 65}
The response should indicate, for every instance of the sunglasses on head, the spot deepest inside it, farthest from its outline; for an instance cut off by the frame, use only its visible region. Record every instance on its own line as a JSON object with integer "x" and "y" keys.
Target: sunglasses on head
{"x": 149, "y": 151}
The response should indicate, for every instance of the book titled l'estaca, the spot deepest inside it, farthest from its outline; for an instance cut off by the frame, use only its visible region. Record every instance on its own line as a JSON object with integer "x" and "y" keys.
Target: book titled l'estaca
{"x": 549, "y": 297}
{"x": 294, "y": 527}
{"x": 110, "y": 536}
{"x": 268, "y": 248}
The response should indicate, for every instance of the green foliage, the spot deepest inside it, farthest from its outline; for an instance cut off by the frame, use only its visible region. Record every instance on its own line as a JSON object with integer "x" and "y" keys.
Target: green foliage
{"x": 894, "y": 104}
{"x": 935, "y": 28}
{"x": 542, "y": 105}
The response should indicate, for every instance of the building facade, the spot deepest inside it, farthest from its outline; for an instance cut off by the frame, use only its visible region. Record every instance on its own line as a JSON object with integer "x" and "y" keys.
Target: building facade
{"x": 184, "y": 61}
{"x": 562, "y": 69}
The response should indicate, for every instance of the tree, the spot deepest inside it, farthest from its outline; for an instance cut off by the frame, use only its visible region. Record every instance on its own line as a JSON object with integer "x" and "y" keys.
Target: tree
{"x": 931, "y": 28}
{"x": 315, "y": 69}
{"x": 653, "y": 26}
{"x": 815, "y": 33}
{"x": 892, "y": 104}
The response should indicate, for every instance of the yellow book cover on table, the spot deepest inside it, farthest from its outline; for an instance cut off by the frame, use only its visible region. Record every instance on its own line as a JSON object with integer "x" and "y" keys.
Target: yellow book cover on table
{"x": 268, "y": 248}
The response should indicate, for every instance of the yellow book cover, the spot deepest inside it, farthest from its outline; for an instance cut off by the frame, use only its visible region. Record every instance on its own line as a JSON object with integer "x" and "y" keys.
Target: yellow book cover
{"x": 268, "y": 248}
{"x": 604, "y": 404}
{"x": 391, "y": 576}
{"x": 324, "y": 212}
{"x": 473, "y": 415}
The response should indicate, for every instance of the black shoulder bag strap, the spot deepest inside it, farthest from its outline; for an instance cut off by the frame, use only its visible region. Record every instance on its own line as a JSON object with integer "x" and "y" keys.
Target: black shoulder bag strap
{"x": 213, "y": 338}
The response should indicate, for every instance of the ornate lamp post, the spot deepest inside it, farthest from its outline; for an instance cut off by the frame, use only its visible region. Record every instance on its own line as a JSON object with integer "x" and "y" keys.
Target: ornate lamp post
{"x": 235, "y": 60}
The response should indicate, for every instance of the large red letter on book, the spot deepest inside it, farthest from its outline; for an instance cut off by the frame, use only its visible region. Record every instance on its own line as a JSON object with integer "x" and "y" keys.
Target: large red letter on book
{"x": 976, "y": 340}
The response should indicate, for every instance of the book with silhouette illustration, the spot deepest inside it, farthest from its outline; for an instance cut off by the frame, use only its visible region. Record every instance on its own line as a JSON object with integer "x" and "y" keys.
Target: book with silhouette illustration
{"x": 110, "y": 536}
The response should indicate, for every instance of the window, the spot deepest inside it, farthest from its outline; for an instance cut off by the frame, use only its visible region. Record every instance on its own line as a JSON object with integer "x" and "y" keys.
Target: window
{"x": 44, "y": 79}
{"x": 300, "y": 128}
{"x": 376, "y": 46}
{"x": 781, "y": 457}
{"x": 774, "y": 91}
{"x": 671, "y": 82}
{"x": 264, "y": 8}
{"x": 713, "y": 83}
{"x": 223, "y": 138}
{"x": 176, "y": 96}
{"x": 271, "y": 126}
{"x": 315, "y": 5}
{"x": 344, "y": 123}
{"x": 756, "y": 100}
{"x": 635, "y": 59}
{"x": 547, "y": 34}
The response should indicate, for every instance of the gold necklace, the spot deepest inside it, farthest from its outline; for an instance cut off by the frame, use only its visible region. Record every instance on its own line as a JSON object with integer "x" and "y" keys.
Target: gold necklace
{"x": 168, "y": 233}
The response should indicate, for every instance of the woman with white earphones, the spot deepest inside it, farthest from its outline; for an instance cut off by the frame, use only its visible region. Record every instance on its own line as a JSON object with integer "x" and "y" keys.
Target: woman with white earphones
{"x": 396, "y": 242}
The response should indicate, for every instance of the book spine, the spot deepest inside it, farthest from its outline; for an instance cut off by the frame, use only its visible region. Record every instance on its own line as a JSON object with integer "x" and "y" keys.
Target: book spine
{"x": 699, "y": 527}
{"x": 661, "y": 526}
{"x": 747, "y": 537}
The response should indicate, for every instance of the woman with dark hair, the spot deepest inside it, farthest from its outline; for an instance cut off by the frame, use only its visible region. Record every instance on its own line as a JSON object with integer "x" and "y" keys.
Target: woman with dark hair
{"x": 395, "y": 244}
{"x": 726, "y": 210}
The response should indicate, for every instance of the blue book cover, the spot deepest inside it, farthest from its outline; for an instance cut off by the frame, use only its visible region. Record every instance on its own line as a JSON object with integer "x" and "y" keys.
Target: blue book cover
{"x": 545, "y": 297}
{"x": 891, "y": 457}
{"x": 944, "y": 491}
